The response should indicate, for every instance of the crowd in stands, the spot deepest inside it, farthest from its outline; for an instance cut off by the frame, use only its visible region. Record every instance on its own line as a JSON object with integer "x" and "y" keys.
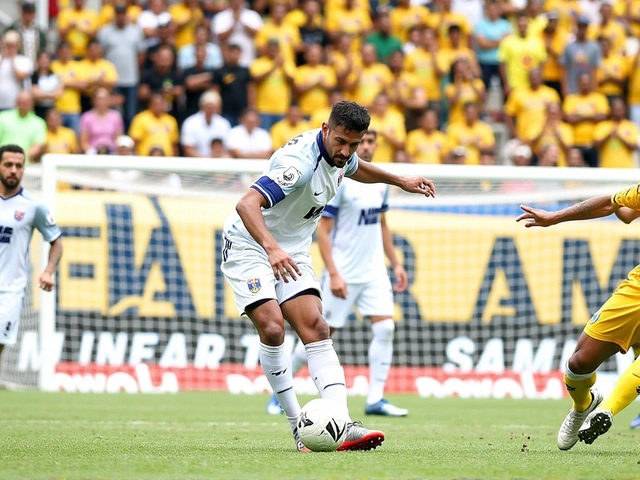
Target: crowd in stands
{"x": 227, "y": 78}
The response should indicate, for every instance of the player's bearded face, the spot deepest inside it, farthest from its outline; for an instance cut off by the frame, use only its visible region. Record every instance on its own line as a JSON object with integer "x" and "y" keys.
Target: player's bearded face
{"x": 11, "y": 171}
{"x": 340, "y": 145}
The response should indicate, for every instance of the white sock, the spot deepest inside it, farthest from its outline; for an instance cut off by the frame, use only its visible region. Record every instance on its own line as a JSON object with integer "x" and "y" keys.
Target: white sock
{"x": 298, "y": 358}
{"x": 326, "y": 371}
{"x": 380, "y": 354}
{"x": 277, "y": 369}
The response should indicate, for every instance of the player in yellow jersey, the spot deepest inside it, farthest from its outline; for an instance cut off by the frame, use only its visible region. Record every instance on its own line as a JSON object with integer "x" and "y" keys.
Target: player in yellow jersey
{"x": 612, "y": 329}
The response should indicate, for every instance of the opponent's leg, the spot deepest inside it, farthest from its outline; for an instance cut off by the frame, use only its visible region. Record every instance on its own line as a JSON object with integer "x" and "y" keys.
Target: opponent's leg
{"x": 636, "y": 352}
{"x": 580, "y": 376}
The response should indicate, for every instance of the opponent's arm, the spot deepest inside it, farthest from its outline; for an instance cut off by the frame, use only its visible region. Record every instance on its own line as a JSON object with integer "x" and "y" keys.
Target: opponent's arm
{"x": 402, "y": 280}
{"x": 250, "y": 210}
{"x": 338, "y": 286}
{"x": 55, "y": 254}
{"x": 595, "y": 207}
{"x": 368, "y": 173}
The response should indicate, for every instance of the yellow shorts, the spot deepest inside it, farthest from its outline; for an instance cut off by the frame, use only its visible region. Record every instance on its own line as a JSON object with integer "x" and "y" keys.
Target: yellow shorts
{"x": 618, "y": 320}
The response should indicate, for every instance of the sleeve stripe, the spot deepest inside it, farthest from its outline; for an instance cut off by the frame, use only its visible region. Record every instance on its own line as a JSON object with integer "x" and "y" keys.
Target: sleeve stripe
{"x": 267, "y": 197}
{"x": 268, "y": 187}
{"x": 330, "y": 211}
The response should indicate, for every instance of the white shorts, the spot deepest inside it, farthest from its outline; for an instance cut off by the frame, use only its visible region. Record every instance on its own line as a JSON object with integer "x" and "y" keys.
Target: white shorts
{"x": 10, "y": 309}
{"x": 248, "y": 271}
{"x": 374, "y": 298}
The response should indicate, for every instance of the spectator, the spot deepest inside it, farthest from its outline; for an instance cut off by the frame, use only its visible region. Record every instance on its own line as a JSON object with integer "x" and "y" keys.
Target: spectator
{"x": 457, "y": 50}
{"x": 406, "y": 94}
{"x": 526, "y": 107}
{"x": 414, "y": 39}
{"x": 591, "y": 9}
{"x": 537, "y": 20}
{"x": 46, "y": 86}
{"x": 235, "y": 85}
{"x": 553, "y": 131}
{"x": 389, "y": 127}
{"x": 288, "y": 35}
{"x": 14, "y": 69}
{"x": 162, "y": 78}
{"x": 627, "y": 12}
{"x": 125, "y": 145}
{"x": 311, "y": 30}
{"x": 32, "y": 39}
{"x": 518, "y": 54}
{"x": 73, "y": 80}
{"x": 442, "y": 20}
{"x": 370, "y": 79}
{"x": 100, "y": 126}
{"x": 464, "y": 88}
{"x": 472, "y": 10}
{"x": 616, "y": 139}
{"x": 634, "y": 89}
{"x": 77, "y": 25}
{"x": 568, "y": 13}
{"x": 238, "y": 25}
{"x": 395, "y": 25}
{"x": 218, "y": 150}
{"x": 583, "y": 111}
{"x": 550, "y": 156}
{"x": 123, "y": 44}
{"x": 199, "y": 129}
{"x": 322, "y": 114}
{"x": 313, "y": 82}
{"x": 427, "y": 144}
{"x": 290, "y": 126}
{"x": 166, "y": 39}
{"x": 348, "y": 19}
{"x": 382, "y": 39}
{"x": 613, "y": 73}
{"x": 343, "y": 59}
{"x": 579, "y": 57}
{"x": 273, "y": 76}
{"x": 488, "y": 34}
{"x": 197, "y": 80}
{"x": 427, "y": 66}
{"x": 98, "y": 72}
{"x": 248, "y": 140}
{"x": 59, "y": 139}
{"x": 154, "y": 127}
{"x": 108, "y": 12}
{"x": 24, "y": 128}
{"x": 555, "y": 41}
{"x": 609, "y": 28}
{"x": 150, "y": 20}
{"x": 187, "y": 54}
{"x": 521, "y": 156}
{"x": 458, "y": 156}
{"x": 186, "y": 15}
{"x": 476, "y": 136}
{"x": 575, "y": 159}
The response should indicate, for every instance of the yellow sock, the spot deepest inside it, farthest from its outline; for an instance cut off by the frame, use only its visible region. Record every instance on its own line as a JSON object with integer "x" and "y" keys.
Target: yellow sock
{"x": 625, "y": 391}
{"x": 579, "y": 388}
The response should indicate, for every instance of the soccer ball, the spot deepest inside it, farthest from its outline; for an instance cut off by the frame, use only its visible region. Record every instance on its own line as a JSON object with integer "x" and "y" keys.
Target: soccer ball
{"x": 321, "y": 426}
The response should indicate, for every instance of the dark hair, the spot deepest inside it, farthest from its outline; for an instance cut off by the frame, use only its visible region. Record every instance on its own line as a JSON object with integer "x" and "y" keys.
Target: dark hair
{"x": 372, "y": 132}
{"x": 454, "y": 28}
{"x": 93, "y": 41}
{"x": 350, "y": 116}
{"x": 10, "y": 148}
{"x": 63, "y": 44}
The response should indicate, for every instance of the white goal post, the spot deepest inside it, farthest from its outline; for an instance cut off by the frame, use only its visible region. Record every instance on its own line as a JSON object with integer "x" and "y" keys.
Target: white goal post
{"x": 488, "y": 298}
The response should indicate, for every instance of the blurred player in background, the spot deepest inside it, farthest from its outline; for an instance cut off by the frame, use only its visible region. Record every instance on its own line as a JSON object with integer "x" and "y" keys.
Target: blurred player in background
{"x": 266, "y": 257}
{"x": 353, "y": 237}
{"x": 20, "y": 213}
{"x": 612, "y": 329}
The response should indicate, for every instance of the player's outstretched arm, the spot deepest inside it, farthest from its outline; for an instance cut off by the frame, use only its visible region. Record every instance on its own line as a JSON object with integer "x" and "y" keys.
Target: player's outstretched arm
{"x": 250, "y": 210}
{"x": 368, "y": 173}
{"x": 595, "y": 207}
{"x": 55, "y": 254}
{"x": 338, "y": 285}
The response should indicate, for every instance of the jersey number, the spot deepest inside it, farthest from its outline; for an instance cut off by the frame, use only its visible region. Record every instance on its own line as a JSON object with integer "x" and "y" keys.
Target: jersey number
{"x": 313, "y": 213}
{"x": 293, "y": 141}
{"x": 5, "y": 234}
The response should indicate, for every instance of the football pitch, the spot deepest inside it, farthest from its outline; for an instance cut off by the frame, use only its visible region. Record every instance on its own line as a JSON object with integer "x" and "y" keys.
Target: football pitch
{"x": 200, "y": 435}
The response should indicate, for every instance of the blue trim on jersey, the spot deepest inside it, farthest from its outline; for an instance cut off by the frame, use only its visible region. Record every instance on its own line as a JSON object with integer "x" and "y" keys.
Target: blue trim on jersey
{"x": 323, "y": 151}
{"x": 330, "y": 211}
{"x": 317, "y": 162}
{"x": 19, "y": 192}
{"x": 383, "y": 208}
{"x": 269, "y": 189}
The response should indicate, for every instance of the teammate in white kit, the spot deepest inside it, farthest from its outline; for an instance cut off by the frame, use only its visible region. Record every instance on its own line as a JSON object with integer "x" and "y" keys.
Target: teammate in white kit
{"x": 20, "y": 213}
{"x": 356, "y": 275}
{"x": 266, "y": 258}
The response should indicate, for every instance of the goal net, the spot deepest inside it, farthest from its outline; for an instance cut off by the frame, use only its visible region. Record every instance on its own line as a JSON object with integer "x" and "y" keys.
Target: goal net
{"x": 492, "y": 309}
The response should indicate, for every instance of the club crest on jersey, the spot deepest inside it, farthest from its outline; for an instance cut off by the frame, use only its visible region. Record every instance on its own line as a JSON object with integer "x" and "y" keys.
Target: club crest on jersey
{"x": 340, "y": 176}
{"x": 254, "y": 285}
{"x": 289, "y": 177}
{"x": 18, "y": 215}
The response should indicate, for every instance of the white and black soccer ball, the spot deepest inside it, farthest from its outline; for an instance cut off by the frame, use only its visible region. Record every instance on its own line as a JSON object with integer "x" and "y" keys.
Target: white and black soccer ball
{"x": 322, "y": 426}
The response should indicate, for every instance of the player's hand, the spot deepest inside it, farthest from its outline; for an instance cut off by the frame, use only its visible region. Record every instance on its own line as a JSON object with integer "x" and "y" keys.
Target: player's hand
{"x": 536, "y": 217}
{"x": 402, "y": 279}
{"x": 283, "y": 265}
{"x": 338, "y": 287}
{"x": 418, "y": 185}
{"x": 46, "y": 282}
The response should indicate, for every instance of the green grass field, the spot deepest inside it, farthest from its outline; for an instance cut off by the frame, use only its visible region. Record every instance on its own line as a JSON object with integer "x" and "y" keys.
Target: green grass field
{"x": 217, "y": 435}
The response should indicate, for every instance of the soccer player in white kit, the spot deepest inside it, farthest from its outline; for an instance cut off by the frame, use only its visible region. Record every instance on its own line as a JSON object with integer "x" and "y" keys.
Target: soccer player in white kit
{"x": 267, "y": 263}
{"x": 20, "y": 213}
{"x": 356, "y": 275}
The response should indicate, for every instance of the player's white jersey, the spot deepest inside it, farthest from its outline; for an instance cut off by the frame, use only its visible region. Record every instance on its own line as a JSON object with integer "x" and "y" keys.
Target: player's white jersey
{"x": 297, "y": 184}
{"x": 356, "y": 244}
{"x": 19, "y": 215}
